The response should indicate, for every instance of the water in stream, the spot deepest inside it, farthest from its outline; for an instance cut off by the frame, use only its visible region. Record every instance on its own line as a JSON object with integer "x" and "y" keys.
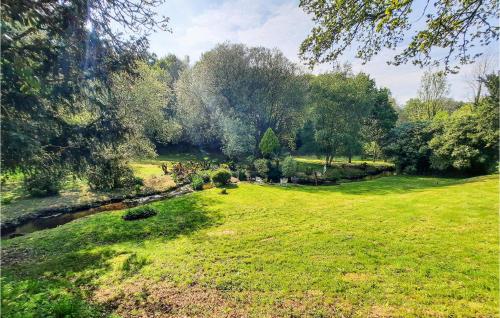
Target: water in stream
{"x": 55, "y": 220}
{"x": 51, "y": 221}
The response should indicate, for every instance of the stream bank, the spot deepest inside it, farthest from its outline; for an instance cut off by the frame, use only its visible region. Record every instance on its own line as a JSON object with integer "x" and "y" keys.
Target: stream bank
{"x": 49, "y": 217}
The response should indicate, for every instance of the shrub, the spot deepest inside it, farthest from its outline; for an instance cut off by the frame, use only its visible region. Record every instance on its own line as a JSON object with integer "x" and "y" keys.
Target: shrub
{"x": 274, "y": 173}
{"x": 269, "y": 144}
{"x": 44, "y": 182}
{"x": 261, "y": 167}
{"x": 223, "y": 191}
{"x": 142, "y": 212}
{"x": 197, "y": 182}
{"x": 221, "y": 176}
{"x": 205, "y": 176}
{"x": 111, "y": 174}
{"x": 408, "y": 146}
{"x": 289, "y": 167}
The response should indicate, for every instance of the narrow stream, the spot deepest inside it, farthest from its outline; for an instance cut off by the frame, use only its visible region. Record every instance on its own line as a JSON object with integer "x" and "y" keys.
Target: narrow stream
{"x": 51, "y": 221}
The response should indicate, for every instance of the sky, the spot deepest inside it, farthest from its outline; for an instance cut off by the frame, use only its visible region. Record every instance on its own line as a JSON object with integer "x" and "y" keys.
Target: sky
{"x": 198, "y": 25}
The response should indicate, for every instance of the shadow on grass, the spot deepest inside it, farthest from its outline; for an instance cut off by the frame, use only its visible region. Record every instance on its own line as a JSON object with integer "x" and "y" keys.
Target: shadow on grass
{"x": 381, "y": 186}
{"x": 72, "y": 247}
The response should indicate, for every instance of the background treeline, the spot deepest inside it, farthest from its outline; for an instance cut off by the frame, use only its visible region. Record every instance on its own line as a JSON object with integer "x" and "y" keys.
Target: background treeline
{"x": 82, "y": 101}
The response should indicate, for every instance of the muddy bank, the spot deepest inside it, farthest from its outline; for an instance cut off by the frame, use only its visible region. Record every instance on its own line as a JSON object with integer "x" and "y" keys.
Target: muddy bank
{"x": 52, "y": 217}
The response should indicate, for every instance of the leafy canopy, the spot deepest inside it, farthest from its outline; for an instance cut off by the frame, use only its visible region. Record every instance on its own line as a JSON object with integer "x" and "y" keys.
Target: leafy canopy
{"x": 370, "y": 25}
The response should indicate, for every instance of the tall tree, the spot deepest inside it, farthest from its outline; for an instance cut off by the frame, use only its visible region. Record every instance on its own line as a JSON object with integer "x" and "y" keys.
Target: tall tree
{"x": 340, "y": 102}
{"x": 467, "y": 140}
{"x": 477, "y": 76}
{"x": 57, "y": 58}
{"x": 379, "y": 122}
{"x": 432, "y": 92}
{"x": 142, "y": 99}
{"x": 258, "y": 86}
{"x": 456, "y": 26}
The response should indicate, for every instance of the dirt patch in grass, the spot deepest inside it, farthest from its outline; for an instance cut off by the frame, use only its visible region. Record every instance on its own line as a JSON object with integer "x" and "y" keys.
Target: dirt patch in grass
{"x": 355, "y": 277}
{"x": 158, "y": 299}
{"x": 143, "y": 298}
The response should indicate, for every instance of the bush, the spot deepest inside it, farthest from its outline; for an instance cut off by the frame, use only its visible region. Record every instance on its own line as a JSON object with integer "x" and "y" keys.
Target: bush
{"x": 261, "y": 167}
{"x": 44, "y": 182}
{"x": 274, "y": 173}
{"x": 197, "y": 182}
{"x": 289, "y": 167}
{"x": 142, "y": 212}
{"x": 269, "y": 144}
{"x": 221, "y": 176}
{"x": 408, "y": 146}
{"x": 205, "y": 176}
{"x": 111, "y": 174}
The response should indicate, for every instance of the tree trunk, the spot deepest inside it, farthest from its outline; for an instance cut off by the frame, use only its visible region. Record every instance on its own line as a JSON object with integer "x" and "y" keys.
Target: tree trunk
{"x": 350, "y": 158}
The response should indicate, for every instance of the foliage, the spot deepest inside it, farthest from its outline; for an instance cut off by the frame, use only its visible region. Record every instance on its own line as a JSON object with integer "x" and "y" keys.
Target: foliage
{"x": 372, "y": 25}
{"x": 408, "y": 147}
{"x": 379, "y": 122}
{"x": 44, "y": 182}
{"x": 111, "y": 174}
{"x": 221, "y": 176}
{"x": 274, "y": 174}
{"x": 467, "y": 140}
{"x": 372, "y": 150}
{"x": 340, "y": 103}
{"x": 269, "y": 145}
{"x": 431, "y": 98}
{"x": 289, "y": 167}
{"x": 238, "y": 139}
{"x": 182, "y": 172}
{"x": 138, "y": 213}
{"x": 197, "y": 182}
{"x": 261, "y": 167}
{"x": 234, "y": 85}
{"x": 306, "y": 144}
{"x": 142, "y": 99}
{"x": 57, "y": 60}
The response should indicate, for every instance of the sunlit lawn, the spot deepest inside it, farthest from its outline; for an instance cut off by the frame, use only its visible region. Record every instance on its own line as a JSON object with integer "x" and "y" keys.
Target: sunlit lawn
{"x": 390, "y": 247}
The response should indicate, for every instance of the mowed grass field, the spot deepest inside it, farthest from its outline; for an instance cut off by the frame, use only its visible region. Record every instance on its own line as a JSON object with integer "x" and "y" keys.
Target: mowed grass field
{"x": 390, "y": 247}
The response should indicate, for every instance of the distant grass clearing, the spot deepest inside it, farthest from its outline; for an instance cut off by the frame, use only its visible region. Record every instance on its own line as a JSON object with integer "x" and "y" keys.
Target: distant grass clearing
{"x": 390, "y": 247}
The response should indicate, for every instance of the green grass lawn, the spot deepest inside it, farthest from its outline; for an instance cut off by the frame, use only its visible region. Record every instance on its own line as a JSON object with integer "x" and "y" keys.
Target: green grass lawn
{"x": 390, "y": 247}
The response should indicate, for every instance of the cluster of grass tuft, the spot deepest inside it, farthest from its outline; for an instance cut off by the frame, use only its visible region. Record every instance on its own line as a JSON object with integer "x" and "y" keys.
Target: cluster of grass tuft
{"x": 142, "y": 212}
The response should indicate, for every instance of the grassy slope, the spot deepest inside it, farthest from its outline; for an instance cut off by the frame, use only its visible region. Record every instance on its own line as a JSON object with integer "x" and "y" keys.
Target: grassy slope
{"x": 395, "y": 247}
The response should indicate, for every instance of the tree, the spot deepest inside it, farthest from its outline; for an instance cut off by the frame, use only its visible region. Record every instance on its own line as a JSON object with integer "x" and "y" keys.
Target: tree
{"x": 477, "y": 77}
{"x": 239, "y": 139}
{"x": 408, "y": 147}
{"x": 432, "y": 92}
{"x": 373, "y": 25}
{"x": 340, "y": 103}
{"x": 57, "y": 59}
{"x": 258, "y": 86}
{"x": 269, "y": 144}
{"x": 415, "y": 110}
{"x": 289, "y": 167}
{"x": 467, "y": 140}
{"x": 142, "y": 99}
{"x": 379, "y": 122}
